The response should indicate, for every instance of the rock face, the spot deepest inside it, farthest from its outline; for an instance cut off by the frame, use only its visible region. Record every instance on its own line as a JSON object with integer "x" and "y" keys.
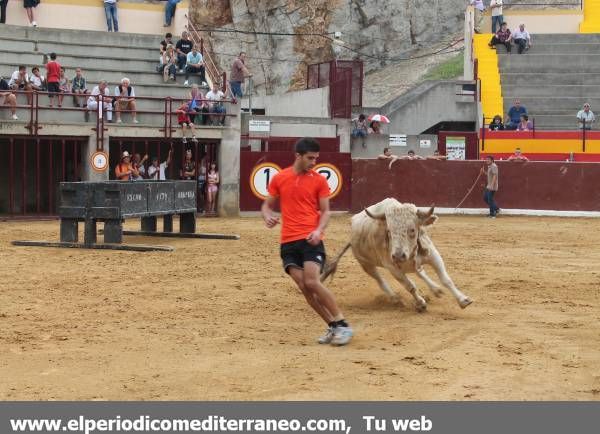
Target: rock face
{"x": 281, "y": 37}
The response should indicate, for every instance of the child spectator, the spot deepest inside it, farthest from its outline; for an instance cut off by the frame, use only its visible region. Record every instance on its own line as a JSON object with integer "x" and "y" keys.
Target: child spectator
{"x": 157, "y": 171}
{"x": 215, "y": 105}
{"x": 183, "y": 119}
{"x": 125, "y": 99}
{"x": 8, "y": 98}
{"x": 585, "y": 117}
{"x": 29, "y": 5}
{"x": 53, "y": 78}
{"x": 497, "y": 124}
{"x": 194, "y": 64}
{"x": 167, "y": 63}
{"x": 124, "y": 170}
{"x": 63, "y": 85}
{"x": 517, "y": 156}
{"x": 525, "y": 124}
{"x": 79, "y": 87}
{"x": 36, "y": 80}
{"x": 212, "y": 189}
{"x": 110, "y": 9}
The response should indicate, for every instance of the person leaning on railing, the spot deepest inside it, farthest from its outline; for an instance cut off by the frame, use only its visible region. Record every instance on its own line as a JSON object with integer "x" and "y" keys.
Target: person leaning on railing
{"x": 496, "y": 124}
{"x": 585, "y": 117}
{"x": 8, "y": 98}
{"x": 216, "y": 97}
{"x": 239, "y": 72}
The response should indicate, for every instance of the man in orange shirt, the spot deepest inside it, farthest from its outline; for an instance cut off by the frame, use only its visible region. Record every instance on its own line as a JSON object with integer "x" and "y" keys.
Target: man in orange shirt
{"x": 124, "y": 170}
{"x": 304, "y": 201}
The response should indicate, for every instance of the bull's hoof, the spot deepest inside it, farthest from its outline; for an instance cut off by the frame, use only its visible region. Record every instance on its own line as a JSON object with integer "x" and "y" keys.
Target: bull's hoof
{"x": 421, "y": 307}
{"x": 465, "y": 302}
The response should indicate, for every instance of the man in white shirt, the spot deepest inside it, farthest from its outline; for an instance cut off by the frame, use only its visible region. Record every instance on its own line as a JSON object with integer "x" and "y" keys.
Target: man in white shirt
{"x": 157, "y": 171}
{"x": 101, "y": 92}
{"x": 37, "y": 80}
{"x": 216, "y": 97}
{"x": 522, "y": 38}
{"x": 586, "y": 117}
{"x": 497, "y": 18}
{"x": 19, "y": 80}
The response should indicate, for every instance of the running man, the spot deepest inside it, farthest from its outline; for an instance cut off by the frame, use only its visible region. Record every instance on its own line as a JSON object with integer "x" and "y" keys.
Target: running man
{"x": 304, "y": 201}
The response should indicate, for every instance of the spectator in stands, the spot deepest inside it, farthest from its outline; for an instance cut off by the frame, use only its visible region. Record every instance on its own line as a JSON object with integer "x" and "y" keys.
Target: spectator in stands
{"x": 525, "y": 124}
{"x": 29, "y": 5}
{"x": 239, "y": 72}
{"x": 183, "y": 119}
{"x": 202, "y": 184}
{"x": 110, "y": 9}
{"x": 410, "y": 155}
{"x": 182, "y": 48}
{"x": 157, "y": 171}
{"x": 3, "y": 4}
{"x": 522, "y": 38}
{"x": 518, "y": 156}
{"x": 374, "y": 127}
{"x": 497, "y": 17}
{"x": 387, "y": 155}
{"x": 514, "y": 115}
{"x": 170, "y": 8}
{"x": 479, "y": 8}
{"x": 37, "y": 80}
{"x": 194, "y": 64}
{"x": 138, "y": 165}
{"x": 359, "y": 127}
{"x": 496, "y": 124}
{"x": 8, "y": 98}
{"x": 502, "y": 36}
{"x": 215, "y": 99}
{"x": 64, "y": 86}
{"x": 437, "y": 156}
{"x": 53, "y": 78}
{"x": 212, "y": 189}
{"x": 125, "y": 99}
{"x": 101, "y": 93}
{"x": 188, "y": 170}
{"x": 586, "y": 117}
{"x": 125, "y": 170}
{"x": 19, "y": 80}
{"x": 198, "y": 104}
{"x": 491, "y": 186}
{"x": 166, "y": 42}
{"x": 168, "y": 63}
{"x": 79, "y": 87}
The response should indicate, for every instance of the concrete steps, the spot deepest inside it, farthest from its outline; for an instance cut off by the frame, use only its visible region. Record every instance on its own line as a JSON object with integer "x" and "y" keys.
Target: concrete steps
{"x": 549, "y": 78}
{"x": 562, "y": 91}
{"x": 545, "y": 63}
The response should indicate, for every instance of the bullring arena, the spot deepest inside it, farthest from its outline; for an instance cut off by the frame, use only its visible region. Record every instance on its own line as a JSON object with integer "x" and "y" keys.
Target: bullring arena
{"x": 219, "y": 320}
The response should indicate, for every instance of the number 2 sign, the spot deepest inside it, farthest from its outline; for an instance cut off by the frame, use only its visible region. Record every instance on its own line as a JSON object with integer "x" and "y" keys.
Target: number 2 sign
{"x": 261, "y": 177}
{"x": 333, "y": 176}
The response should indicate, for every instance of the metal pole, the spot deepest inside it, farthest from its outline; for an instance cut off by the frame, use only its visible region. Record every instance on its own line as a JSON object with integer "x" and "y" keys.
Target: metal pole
{"x": 584, "y": 134}
{"x": 37, "y": 177}
{"x": 11, "y": 183}
{"x": 250, "y": 82}
{"x": 23, "y": 178}
{"x": 50, "y": 177}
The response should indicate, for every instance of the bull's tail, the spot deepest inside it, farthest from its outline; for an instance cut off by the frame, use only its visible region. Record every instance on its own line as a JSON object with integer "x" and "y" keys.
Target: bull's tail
{"x": 331, "y": 267}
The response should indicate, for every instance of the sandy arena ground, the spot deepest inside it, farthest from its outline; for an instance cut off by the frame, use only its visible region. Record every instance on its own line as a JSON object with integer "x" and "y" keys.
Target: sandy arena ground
{"x": 219, "y": 320}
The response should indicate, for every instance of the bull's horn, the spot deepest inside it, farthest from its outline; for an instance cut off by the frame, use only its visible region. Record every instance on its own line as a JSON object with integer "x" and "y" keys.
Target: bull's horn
{"x": 375, "y": 217}
{"x": 425, "y": 214}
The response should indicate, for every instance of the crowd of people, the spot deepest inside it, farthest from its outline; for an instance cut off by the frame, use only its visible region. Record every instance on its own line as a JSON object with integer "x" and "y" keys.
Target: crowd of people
{"x": 137, "y": 168}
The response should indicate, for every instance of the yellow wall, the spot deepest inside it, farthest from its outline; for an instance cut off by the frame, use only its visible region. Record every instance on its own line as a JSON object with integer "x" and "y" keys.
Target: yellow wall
{"x": 591, "y": 13}
{"x": 147, "y": 18}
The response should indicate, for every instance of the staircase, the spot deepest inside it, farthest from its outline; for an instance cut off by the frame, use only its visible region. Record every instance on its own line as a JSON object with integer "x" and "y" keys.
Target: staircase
{"x": 101, "y": 55}
{"x": 487, "y": 71}
{"x": 553, "y": 79}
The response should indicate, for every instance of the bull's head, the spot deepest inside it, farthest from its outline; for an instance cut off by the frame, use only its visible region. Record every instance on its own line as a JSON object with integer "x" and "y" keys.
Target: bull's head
{"x": 403, "y": 222}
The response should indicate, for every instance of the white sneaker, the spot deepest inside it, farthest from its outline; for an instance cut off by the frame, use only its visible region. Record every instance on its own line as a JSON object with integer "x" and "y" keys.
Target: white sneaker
{"x": 34, "y": 24}
{"x": 135, "y": 121}
{"x": 119, "y": 121}
{"x": 186, "y": 83}
{"x": 327, "y": 337}
{"x": 15, "y": 118}
{"x": 204, "y": 83}
{"x": 341, "y": 336}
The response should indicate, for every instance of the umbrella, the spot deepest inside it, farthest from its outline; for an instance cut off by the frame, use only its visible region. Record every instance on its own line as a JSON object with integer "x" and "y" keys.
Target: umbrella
{"x": 379, "y": 118}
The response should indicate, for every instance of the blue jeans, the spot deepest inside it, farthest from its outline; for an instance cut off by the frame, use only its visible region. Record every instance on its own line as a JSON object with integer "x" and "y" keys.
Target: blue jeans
{"x": 110, "y": 9}
{"x": 497, "y": 21}
{"x": 170, "y": 11}
{"x": 488, "y": 197}
{"x": 181, "y": 61}
{"x": 236, "y": 88}
{"x": 359, "y": 133}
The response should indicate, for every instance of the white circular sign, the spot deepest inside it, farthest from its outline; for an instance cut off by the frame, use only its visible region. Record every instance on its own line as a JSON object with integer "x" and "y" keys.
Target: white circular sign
{"x": 100, "y": 161}
{"x": 261, "y": 176}
{"x": 333, "y": 177}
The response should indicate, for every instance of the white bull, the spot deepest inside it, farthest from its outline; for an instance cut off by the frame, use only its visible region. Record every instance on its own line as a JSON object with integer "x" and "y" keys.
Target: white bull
{"x": 392, "y": 235}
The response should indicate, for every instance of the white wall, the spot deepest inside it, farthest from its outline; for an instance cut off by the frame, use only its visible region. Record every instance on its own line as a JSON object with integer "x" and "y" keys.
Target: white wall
{"x": 311, "y": 103}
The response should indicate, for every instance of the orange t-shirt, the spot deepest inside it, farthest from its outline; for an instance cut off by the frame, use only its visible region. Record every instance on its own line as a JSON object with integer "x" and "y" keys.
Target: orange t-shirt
{"x": 299, "y": 196}
{"x": 120, "y": 171}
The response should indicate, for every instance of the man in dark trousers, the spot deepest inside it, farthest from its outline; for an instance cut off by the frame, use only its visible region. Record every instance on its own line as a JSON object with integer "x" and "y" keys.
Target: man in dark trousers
{"x": 491, "y": 186}
{"x": 304, "y": 199}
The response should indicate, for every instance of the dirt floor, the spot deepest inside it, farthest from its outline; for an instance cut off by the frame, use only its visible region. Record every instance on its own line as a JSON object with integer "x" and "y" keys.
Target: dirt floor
{"x": 219, "y": 320}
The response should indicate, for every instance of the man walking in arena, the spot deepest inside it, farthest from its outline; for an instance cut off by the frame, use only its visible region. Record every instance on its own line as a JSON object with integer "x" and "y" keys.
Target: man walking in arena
{"x": 304, "y": 201}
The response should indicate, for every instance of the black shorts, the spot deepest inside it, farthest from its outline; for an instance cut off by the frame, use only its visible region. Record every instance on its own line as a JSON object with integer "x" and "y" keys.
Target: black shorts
{"x": 296, "y": 253}
{"x": 53, "y": 88}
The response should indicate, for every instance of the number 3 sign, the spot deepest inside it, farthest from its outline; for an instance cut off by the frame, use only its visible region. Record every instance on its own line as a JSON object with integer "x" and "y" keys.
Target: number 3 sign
{"x": 260, "y": 178}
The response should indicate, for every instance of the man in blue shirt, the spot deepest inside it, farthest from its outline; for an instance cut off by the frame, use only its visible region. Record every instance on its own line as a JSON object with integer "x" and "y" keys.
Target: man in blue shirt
{"x": 514, "y": 115}
{"x": 194, "y": 65}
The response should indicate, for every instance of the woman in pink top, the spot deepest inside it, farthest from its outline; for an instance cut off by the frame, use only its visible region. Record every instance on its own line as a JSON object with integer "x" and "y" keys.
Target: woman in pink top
{"x": 213, "y": 188}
